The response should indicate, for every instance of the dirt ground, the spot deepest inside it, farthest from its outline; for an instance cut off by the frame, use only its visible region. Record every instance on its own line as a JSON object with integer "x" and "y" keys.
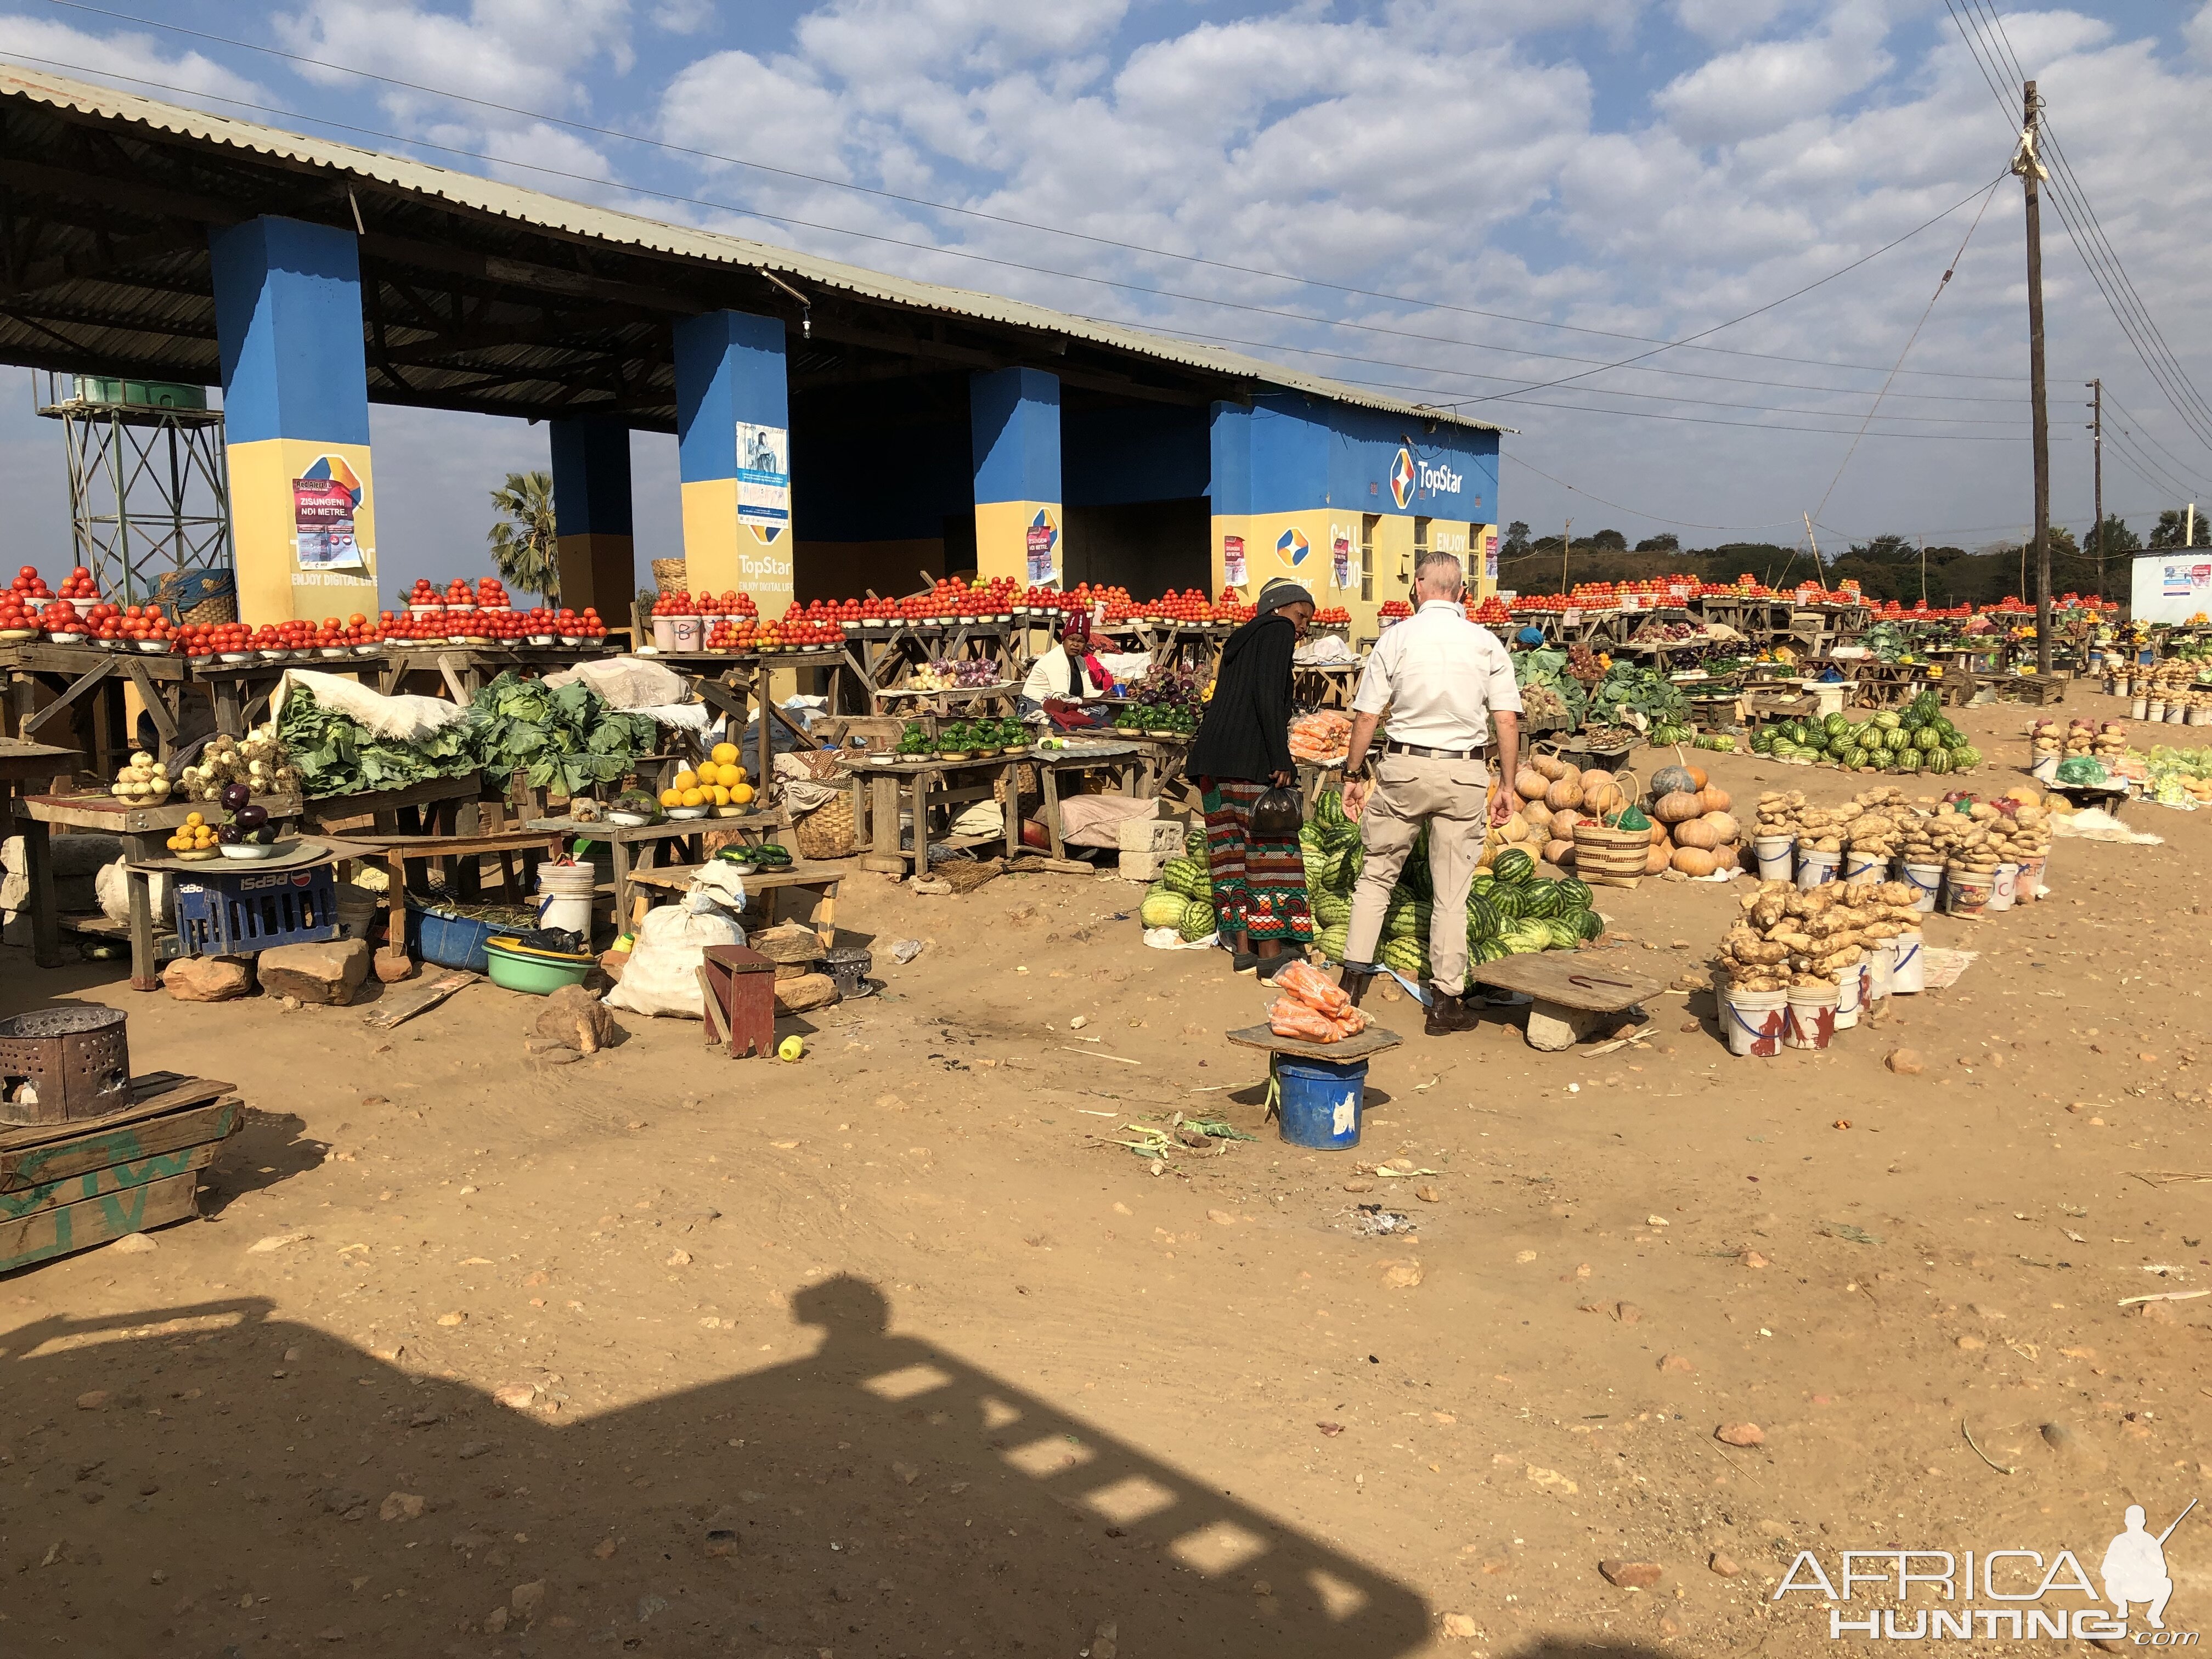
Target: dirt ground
{"x": 884, "y": 1353}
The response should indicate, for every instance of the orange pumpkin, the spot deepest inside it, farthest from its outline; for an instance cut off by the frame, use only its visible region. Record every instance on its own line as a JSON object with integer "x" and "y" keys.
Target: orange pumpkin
{"x": 1694, "y": 861}
{"x": 1530, "y": 784}
{"x": 1536, "y": 814}
{"x": 1711, "y": 797}
{"x": 1659, "y": 835}
{"x": 1724, "y": 827}
{"x": 1677, "y": 808}
{"x": 1559, "y": 852}
{"x": 1564, "y": 793}
{"x": 1515, "y": 829}
{"x": 1698, "y": 833}
{"x": 1563, "y": 824}
{"x": 1698, "y": 777}
{"x": 1551, "y": 767}
{"x": 1655, "y": 861}
{"x": 1727, "y": 856}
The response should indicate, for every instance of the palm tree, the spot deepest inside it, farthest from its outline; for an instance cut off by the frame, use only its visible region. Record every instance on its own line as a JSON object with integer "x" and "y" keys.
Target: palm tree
{"x": 523, "y": 546}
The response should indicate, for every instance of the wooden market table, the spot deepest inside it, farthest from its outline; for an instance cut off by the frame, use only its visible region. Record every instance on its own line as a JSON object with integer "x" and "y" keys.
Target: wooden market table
{"x": 397, "y": 852}
{"x": 636, "y": 846}
{"x": 1573, "y": 992}
{"x": 1127, "y": 760}
{"x": 143, "y": 831}
{"x": 922, "y": 784}
{"x": 1325, "y": 685}
{"x": 818, "y": 878}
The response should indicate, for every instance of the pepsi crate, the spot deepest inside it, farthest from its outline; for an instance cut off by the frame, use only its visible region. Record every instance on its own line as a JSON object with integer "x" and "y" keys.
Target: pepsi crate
{"x": 226, "y": 914}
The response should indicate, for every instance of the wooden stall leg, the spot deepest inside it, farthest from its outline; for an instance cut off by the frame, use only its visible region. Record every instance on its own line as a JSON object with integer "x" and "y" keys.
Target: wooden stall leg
{"x": 395, "y": 918}
{"x": 918, "y": 795}
{"x": 883, "y": 820}
{"x": 46, "y": 921}
{"x": 622, "y": 881}
{"x": 142, "y": 974}
{"x": 1048, "y": 782}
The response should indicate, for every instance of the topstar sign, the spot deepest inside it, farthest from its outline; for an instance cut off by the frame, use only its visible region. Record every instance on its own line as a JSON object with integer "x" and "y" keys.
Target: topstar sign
{"x": 1439, "y": 477}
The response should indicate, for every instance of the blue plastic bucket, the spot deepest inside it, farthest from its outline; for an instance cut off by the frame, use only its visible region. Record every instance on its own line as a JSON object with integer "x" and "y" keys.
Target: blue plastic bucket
{"x": 1319, "y": 1102}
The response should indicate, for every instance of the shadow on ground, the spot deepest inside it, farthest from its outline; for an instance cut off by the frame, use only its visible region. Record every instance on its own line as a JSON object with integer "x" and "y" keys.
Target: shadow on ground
{"x": 205, "y": 1480}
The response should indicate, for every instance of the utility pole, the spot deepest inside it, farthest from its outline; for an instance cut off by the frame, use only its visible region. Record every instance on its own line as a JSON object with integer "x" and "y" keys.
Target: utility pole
{"x": 2031, "y": 175}
{"x": 1924, "y": 570}
{"x": 1566, "y": 541}
{"x": 2097, "y": 464}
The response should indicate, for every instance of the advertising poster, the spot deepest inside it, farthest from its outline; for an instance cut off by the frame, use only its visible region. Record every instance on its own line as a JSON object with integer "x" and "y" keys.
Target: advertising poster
{"x": 1341, "y": 571}
{"x": 1490, "y": 556}
{"x": 764, "y": 479}
{"x": 2171, "y": 588}
{"x": 323, "y": 525}
{"x": 1043, "y": 538}
{"x": 1233, "y": 560}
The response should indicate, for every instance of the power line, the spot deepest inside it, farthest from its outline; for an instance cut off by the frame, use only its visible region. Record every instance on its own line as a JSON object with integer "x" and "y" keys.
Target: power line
{"x": 941, "y": 207}
{"x": 2143, "y": 432}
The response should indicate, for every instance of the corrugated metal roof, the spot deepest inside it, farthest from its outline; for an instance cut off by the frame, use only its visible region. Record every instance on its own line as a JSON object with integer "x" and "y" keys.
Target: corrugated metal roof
{"x": 542, "y": 210}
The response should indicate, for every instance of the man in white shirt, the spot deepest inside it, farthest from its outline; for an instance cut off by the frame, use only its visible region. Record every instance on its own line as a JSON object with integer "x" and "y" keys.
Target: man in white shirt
{"x": 1442, "y": 679}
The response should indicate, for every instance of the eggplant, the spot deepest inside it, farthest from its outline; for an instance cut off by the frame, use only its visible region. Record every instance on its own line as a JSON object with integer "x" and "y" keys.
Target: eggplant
{"x": 230, "y": 835}
{"x": 235, "y": 795}
{"x": 252, "y": 816}
{"x": 264, "y": 836}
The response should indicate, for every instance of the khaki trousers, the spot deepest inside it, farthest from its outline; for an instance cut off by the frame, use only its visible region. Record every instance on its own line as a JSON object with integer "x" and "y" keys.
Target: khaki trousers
{"x": 1453, "y": 799}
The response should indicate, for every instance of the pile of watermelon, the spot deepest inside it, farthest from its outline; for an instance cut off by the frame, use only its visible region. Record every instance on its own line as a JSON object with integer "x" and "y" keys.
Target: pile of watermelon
{"x": 1182, "y": 898}
{"x": 1917, "y": 738}
{"x": 1510, "y": 909}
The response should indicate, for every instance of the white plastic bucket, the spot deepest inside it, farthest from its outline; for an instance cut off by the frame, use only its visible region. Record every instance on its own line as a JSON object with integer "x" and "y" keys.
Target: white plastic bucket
{"x": 1967, "y": 893}
{"x": 1774, "y": 854}
{"x": 1812, "y": 1016}
{"x": 2157, "y": 710}
{"x": 2029, "y": 888}
{"x": 2003, "y": 889}
{"x": 1850, "y": 996}
{"x": 1881, "y": 967}
{"x": 1908, "y": 976}
{"x": 1857, "y": 864}
{"x": 565, "y": 893}
{"x": 1927, "y": 881}
{"x": 2139, "y": 708}
{"x": 1755, "y": 1020}
{"x": 2045, "y": 768}
{"x": 1815, "y": 867}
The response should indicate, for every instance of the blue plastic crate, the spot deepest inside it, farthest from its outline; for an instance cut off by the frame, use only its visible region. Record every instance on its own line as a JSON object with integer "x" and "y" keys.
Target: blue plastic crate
{"x": 222, "y": 913}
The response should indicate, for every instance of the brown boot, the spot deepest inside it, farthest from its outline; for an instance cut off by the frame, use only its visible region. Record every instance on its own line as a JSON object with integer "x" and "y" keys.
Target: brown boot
{"x": 1449, "y": 1014}
{"x": 1354, "y": 983}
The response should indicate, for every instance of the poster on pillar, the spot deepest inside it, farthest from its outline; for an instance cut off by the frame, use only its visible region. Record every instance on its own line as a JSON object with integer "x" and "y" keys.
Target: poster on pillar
{"x": 303, "y": 517}
{"x": 1232, "y": 562}
{"x": 1340, "y": 562}
{"x": 764, "y": 480}
{"x": 1042, "y": 542}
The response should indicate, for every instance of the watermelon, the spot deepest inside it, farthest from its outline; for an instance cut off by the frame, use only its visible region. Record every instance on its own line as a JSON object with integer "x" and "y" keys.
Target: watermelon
{"x": 1513, "y": 866}
{"x": 1412, "y": 922}
{"x": 1509, "y": 902}
{"x": 1589, "y": 924}
{"x": 1332, "y": 941}
{"x": 1573, "y": 895}
{"x": 1409, "y": 957}
{"x": 1762, "y": 741}
{"x": 1888, "y": 720}
{"x": 1836, "y": 725}
{"x": 1193, "y": 841}
{"x": 1543, "y": 900}
{"x": 1927, "y": 737}
{"x": 1489, "y": 950}
{"x": 1483, "y": 921}
{"x": 1331, "y": 909}
{"x": 1937, "y": 760}
{"x": 1908, "y": 760}
{"x": 1162, "y": 906}
{"x": 1526, "y": 937}
{"x": 1197, "y": 919}
{"x": 1188, "y": 876}
{"x": 1566, "y": 933}
{"x": 1965, "y": 757}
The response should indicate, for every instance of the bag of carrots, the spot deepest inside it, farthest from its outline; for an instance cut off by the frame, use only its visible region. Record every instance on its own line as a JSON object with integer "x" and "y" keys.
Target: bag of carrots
{"x": 1313, "y": 988}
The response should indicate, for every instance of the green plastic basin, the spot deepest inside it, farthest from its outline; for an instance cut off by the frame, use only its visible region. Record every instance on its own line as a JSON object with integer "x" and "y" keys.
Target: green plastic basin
{"x": 519, "y": 967}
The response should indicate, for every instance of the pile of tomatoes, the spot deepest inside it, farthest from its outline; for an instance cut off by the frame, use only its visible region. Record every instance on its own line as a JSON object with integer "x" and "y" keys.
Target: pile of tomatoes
{"x": 1492, "y": 613}
{"x": 485, "y": 593}
{"x": 734, "y": 634}
{"x": 1190, "y": 607}
{"x": 79, "y": 586}
{"x": 141, "y": 626}
{"x": 1332, "y": 616}
{"x": 214, "y": 638}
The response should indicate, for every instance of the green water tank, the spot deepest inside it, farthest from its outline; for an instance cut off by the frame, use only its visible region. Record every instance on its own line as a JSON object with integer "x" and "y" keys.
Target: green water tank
{"x": 139, "y": 394}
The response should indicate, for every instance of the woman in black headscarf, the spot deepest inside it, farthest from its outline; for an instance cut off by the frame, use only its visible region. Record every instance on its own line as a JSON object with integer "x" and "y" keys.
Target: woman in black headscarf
{"x": 1243, "y": 749}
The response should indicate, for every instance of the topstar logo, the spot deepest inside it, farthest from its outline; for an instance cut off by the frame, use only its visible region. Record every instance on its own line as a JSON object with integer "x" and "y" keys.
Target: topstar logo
{"x": 1402, "y": 478}
{"x": 1440, "y": 478}
{"x": 2029, "y": 1592}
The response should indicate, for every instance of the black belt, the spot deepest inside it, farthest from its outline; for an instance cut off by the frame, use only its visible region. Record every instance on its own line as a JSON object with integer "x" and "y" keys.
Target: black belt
{"x": 1394, "y": 748}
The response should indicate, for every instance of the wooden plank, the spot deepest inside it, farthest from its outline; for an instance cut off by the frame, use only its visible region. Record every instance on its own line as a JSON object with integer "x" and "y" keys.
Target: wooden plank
{"x": 1372, "y": 1041}
{"x": 1594, "y": 981}
{"x": 79, "y": 1226}
{"x": 61, "y": 704}
{"x": 107, "y": 1181}
{"x": 401, "y": 1003}
{"x": 196, "y": 1126}
{"x": 153, "y": 1094}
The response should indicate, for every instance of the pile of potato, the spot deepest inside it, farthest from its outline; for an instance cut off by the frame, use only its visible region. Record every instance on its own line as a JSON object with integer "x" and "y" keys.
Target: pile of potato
{"x": 1786, "y": 937}
{"x": 2107, "y": 739}
{"x": 1874, "y": 820}
{"x": 1819, "y": 828}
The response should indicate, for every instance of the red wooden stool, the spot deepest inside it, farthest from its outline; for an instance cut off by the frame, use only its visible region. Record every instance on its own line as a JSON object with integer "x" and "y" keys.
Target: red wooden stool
{"x": 739, "y": 987}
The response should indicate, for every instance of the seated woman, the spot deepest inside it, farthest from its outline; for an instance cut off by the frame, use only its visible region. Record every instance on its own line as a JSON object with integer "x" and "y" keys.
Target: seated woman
{"x": 1067, "y": 673}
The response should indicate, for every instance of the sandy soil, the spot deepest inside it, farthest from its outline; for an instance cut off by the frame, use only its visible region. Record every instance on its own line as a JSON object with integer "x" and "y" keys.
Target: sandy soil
{"x": 885, "y": 1353}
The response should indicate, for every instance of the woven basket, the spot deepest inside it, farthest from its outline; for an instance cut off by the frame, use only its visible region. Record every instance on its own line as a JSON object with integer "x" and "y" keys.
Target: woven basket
{"x": 221, "y": 606}
{"x": 671, "y": 575}
{"x": 1611, "y": 858}
{"x": 211, "y": 612}
{"x": 827, "y": 832}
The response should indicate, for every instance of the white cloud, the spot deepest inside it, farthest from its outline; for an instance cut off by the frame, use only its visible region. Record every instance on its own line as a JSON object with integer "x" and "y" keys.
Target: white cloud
{"x": 1762, "y": 87}
{"x": 135, "y": 62}
{"x": 684, "y": 16}
{"x": 528, "y": 54}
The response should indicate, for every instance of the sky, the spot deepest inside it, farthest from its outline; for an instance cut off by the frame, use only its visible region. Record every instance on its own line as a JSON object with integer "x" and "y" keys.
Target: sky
{"x": 1458, "y": 202}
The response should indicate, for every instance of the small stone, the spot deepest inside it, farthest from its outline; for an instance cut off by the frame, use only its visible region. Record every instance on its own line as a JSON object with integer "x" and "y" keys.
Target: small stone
{"x": 1723, "y": 1565}
{"x": 1458, "y": 1626}
{"x": 134, "y": 1244}
{"x": 1675, "y": 1362}
{"x": 1906, "y": 1062}
{"x": 277, "y": 1241}
{"x": 517, "y": 1396}
{"x": 1428, "y": 1194}
{"x": 604, "y": 1549}
{"x": 1628, "y": 1313}
{"x": 678, "y": 1259}
{"x": 92, "y": 1399}
{"x": 400, "y": 1506}
{"x": 1221, "y": 1218}
{"x": 575, "y": 1018}
{"x": 1971, "y": 1344}
{"x": 525, "y": 1598}
{"x": 1402, "y": 1275}
{"x": 2158, "y": 1313}
{"x": 495, "y": 1621}
{"x": 473, "y": 1448}
{"x": 1360, "y": 1186}
{"x": 1751, "y": 1259}
{"x": 207, "y": 979}
{"x": 1740, "y": 1434}
{"x": 2148, "y": 1058}
{"x": 1077, "y": 1022}
{"x": 1631, "y": 1575}
{"x": 451, "y": 1319}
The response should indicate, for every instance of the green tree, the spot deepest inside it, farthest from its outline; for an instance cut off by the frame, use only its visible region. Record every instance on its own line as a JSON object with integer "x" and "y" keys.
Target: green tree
{"x": 1516, "y": 540}
{"x": 1611, "y": 541}
{"x": 2113, "y": 538}
{"x": 2173, "y": 526}
{"x": 1665, "y": 542}
{"x": 523, "y": 545}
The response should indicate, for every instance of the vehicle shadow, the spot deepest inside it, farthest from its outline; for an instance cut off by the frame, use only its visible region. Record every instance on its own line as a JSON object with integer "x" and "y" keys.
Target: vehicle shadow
{"x": 203, "y": 1479}
{"x": 269, "y": 1148}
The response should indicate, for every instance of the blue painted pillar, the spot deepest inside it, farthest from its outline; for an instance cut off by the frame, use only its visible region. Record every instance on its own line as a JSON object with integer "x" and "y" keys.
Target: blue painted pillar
{"x": 592, "y": 514}
{"x": 733, "y": 456}
{"x": 295, "y": 417}
{"x": 1013, "y": 416}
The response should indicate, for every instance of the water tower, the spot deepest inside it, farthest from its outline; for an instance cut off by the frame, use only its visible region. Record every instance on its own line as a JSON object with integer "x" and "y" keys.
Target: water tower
{"x": 149, "y": 491}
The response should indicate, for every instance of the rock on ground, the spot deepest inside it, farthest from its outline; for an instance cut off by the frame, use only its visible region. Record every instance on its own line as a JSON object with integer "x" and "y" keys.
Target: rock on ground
{"x": 328, "y": 971}
{"x": 573, "y": 1016}
{"x": 207, "y": 979}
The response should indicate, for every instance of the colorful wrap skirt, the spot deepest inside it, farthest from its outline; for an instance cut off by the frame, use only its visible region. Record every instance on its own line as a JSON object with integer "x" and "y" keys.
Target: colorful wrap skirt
{"x": 1259, "y": 887}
